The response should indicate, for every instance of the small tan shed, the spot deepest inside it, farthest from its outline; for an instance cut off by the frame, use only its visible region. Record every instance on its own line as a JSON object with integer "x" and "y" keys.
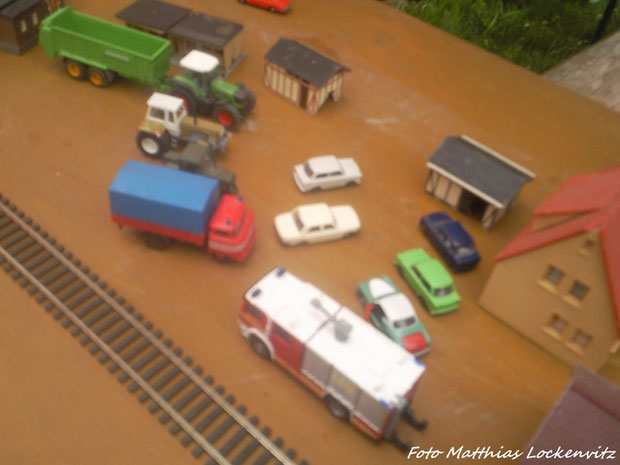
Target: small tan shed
{"x": 302, "y": 75}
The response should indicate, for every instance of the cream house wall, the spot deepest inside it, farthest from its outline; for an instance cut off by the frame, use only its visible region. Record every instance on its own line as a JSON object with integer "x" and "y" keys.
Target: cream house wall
{"x": 520, "y": 293}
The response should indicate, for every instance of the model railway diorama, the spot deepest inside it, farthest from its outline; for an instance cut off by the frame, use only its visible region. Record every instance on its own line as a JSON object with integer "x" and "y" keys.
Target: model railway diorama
{"x": 362, "y": 363}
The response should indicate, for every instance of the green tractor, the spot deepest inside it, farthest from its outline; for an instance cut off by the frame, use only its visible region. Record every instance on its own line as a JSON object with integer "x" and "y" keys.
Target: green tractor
{"x": 205, "y": 93}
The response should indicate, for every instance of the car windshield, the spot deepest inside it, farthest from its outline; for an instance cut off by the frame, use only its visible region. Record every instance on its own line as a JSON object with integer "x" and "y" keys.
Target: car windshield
{"x": 443, "y": 291}
{"x": 308, "y": 170}
{"x": 297, "y": 221}
{"x": 404, "y": 322}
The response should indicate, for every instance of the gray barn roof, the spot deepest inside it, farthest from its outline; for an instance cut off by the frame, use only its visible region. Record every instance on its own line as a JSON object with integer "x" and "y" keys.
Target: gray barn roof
{"x": 304, "y": 62}
{"x": 153, "y": 14}
{"x": 479, "y": 169}
{"x": 206, "y": 29}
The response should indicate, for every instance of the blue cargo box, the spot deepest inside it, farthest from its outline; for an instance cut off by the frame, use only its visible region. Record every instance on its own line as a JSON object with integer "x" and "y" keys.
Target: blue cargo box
{"x": 164, "y": 196}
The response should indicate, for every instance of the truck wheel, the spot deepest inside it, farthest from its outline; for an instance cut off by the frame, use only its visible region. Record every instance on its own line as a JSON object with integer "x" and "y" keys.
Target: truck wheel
{"x": 98, "y": 77}
{"x": 228, "y": 116}
{"x": 189, "y": 101}
{"x": 337, "y": 409}
{"x": 260, "y": 348}
{"x": 152, "y": 146}
{"x": 75, "y": 69}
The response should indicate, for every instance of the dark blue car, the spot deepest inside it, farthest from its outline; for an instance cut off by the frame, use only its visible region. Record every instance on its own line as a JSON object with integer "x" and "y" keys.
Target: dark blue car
{"x": 451, "y": 240}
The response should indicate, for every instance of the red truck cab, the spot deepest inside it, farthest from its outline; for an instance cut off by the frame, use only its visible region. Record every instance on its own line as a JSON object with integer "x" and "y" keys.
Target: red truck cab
{"x": 231, "y": 229}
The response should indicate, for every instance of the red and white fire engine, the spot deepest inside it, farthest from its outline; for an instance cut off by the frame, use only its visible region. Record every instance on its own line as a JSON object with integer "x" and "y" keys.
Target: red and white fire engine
{"x": 362, "y": 376}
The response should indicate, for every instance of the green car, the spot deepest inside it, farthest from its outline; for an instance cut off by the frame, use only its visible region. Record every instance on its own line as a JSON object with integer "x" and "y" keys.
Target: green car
{"x": 429, "y": 280}
{"x": 392, "y": 314}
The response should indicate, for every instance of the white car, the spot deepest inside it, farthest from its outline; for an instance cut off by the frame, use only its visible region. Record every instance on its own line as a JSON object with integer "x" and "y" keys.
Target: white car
{"x": 316, "y": 223}
{"x": 326, "y": 172}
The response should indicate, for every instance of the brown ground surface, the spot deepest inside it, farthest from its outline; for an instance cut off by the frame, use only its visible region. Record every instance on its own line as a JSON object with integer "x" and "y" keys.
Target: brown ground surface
{"x": 61, "y": 142}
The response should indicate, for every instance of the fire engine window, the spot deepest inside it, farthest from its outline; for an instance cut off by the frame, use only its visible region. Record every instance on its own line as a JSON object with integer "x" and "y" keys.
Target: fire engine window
{"x": 256, "y": 313}
{"x": 281, "y": 333}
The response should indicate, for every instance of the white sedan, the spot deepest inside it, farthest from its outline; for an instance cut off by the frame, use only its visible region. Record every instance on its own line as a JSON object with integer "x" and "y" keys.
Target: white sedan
{"x": 316, "y": 223}
{"x": 326, "y": 172}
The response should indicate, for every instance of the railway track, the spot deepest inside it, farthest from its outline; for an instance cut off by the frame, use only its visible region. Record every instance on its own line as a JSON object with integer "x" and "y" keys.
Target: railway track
{"x": 184, "y": 399}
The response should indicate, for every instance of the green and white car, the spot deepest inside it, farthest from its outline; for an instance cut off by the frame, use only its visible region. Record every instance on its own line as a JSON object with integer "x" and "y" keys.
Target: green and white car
{"x": 393, "y": 314}
{"x": 429, "y": 280}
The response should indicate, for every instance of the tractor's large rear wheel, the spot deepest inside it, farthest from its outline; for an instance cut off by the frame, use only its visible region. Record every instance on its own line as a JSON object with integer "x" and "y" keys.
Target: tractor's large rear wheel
{"x": 189, "y": 100}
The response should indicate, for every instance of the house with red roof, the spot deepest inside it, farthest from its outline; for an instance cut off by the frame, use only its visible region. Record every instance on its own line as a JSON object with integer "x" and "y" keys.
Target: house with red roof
{"x": 558, "y": 281}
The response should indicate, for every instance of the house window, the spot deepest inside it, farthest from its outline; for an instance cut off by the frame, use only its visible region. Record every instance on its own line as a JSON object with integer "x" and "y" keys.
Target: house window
{"x": 556, "y": 326}
{"x": 554, "y": 275}
{"x": 587, "y": 247}
{"x": 22, "y": 26}
{"x": 35, "y": 18}
{"x": 579, "y": 290}
{"x": 580, "y": 341}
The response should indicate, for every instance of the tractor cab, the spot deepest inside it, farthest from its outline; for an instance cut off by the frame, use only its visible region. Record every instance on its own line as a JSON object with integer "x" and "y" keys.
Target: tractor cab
{"x": 199, "y": 68}
{"x": 168, "y": 111}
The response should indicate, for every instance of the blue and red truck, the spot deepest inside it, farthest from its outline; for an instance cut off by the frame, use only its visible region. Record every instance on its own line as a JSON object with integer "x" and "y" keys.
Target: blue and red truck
{"x": 167, "y": 204}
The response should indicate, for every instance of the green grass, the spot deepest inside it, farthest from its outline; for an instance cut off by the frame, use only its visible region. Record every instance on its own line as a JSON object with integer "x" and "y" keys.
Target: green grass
{"x": 536, "y": 34}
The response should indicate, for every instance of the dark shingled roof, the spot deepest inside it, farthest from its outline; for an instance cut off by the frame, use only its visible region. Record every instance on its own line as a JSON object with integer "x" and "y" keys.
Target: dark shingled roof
{"x": 153, "y": 14}
{"x": 586, "y": 417}
{"x": 479, "y": 169}
{"x": 13, "y": 8}
{"x": 304, "y": 62}
{"x": 205, "y": 29}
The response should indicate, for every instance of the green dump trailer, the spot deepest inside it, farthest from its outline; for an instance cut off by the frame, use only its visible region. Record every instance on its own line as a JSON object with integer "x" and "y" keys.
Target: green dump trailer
{"x": 100, "y": 51}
